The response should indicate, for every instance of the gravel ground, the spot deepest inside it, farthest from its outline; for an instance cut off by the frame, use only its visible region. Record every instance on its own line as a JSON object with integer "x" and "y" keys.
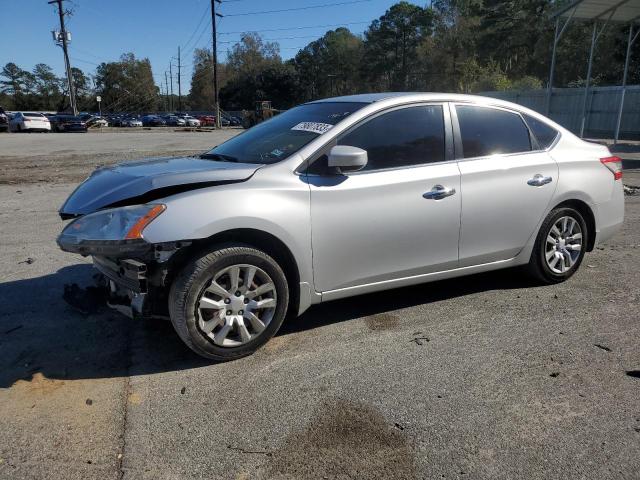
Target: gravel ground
{"x": 70, "y": 157}
{"x": 487, "y": 376}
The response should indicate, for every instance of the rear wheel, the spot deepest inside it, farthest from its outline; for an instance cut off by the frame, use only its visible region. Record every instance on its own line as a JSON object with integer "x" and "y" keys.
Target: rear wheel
{"x": 229, "y": 302}
{"x": 559, "y": 247}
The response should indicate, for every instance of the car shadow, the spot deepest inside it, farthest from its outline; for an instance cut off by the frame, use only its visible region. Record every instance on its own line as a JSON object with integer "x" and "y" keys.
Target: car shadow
{"x": 389, "y": 300}
{"x": 41, "y": 334}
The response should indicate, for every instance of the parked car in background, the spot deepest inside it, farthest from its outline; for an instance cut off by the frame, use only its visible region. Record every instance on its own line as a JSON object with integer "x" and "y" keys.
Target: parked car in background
{"x": 4, "y": 120}
{"x": 29, "y": 122}
{"x": 232, "y": 121}
{"x": 115, "y": 120}
{"x": 67, "y": 123}
{"x": 98, "y": 122}
{"x": 93, "y": 121}
{"x": 341, "y": 197}
{"x": 174, "y": 121}
{"x": 191, "y": 121}
{"x": 132, "y": 122}
{"x": 207, "y": 120}
{"x": 153, "y": 121}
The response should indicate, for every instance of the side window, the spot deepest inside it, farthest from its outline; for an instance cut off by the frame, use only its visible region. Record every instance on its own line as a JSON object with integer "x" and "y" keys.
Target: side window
{"x": 487, "y": 131}
{"x": 404, "y": 137}
{"x": 545, "y": 134}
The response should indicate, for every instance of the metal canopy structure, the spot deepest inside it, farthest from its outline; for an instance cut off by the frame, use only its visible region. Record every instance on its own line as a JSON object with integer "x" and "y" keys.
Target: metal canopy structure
{"x": 601, "y": 13}
{"x": 620, "y": 11}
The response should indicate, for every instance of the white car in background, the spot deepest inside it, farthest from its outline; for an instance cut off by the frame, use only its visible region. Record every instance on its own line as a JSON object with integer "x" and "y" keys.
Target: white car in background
{"x": 132, "y": 122}
{"x": 191, "y": 121}
{"x": 29, "y": 122}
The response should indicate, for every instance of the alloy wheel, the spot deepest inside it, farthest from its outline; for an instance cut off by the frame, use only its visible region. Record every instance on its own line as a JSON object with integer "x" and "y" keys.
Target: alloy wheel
{"x": 563, "y": 245}
{"x": 237, "y": 305}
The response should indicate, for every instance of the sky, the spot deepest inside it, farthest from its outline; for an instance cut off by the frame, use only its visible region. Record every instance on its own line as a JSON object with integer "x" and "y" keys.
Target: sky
{"x": 104, "y": 29}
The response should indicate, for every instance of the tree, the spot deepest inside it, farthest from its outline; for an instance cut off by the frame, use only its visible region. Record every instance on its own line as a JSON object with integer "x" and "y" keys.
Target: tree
{"x": 277, "y": 82}
{"x": 17, "y": 84}
{"x": 391, "y": 45}
{"x": 201, "y": 95}
{"x": 251, "y": 55}
{"x": 330, "y": 65}
{"x": 256, "y": 72}
{"x": 127, "y": 85}
{"x": 47, "y": 87}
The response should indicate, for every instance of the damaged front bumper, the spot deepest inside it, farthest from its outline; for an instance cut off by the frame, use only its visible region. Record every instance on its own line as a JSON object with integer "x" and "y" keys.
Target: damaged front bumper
{"x": 134, "y": 276}
{"x": 127, "y": 285}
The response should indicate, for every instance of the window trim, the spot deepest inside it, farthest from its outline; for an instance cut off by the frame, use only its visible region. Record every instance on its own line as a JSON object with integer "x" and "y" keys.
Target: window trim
{"x": 449, "y": 150}
{"x": 535, "y": 145}
{"x": 555, "y": 139}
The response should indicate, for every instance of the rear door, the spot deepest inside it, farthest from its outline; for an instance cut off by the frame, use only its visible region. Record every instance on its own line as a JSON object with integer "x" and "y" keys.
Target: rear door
{"x": 507, "y": 182}
{"x": 382, "y": 223}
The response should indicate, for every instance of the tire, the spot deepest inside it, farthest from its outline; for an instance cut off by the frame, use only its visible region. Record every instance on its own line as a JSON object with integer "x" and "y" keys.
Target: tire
{"x": 569, "y": 258}
{"x": 194, "y": 283}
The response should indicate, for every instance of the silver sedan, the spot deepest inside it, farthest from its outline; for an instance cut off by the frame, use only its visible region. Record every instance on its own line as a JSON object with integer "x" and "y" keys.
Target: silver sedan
{"x": 341, "y": 197}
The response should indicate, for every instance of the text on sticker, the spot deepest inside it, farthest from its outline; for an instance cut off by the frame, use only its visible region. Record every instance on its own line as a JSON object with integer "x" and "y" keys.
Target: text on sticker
{"x": 314, "y": 127}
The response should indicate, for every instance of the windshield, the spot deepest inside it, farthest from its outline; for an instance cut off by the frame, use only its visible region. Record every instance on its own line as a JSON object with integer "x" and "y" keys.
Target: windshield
{"x": 284, "y": 134}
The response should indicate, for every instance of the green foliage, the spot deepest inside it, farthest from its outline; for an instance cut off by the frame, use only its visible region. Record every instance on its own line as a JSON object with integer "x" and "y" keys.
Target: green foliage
{"x": 330, "y": 65}
{"x": 256, "y": 72}
{"x": 127, "y": 85}
{"x": 40, "y": 89}
{"x": 391, "y": 46}
{"x": 526, "y": 83}
{"x": 449, "y": 46}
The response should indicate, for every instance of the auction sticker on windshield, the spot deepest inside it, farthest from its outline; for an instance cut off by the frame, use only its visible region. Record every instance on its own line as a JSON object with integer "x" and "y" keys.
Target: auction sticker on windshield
{"x": 314, "y": 127}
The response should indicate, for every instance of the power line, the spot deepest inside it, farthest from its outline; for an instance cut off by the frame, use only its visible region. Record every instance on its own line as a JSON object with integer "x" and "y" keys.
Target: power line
{"x": 275, "y": 39}
{"x": 325, "y": 5}
{"x": 293, "y": 28}
{"x": 204, "y": 15}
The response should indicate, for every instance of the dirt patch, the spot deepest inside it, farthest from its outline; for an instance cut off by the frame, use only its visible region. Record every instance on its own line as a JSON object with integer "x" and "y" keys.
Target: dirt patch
{"x": 39, "y": 385}
{"x": 68, "y": 168}
{"x": 382, "y": 321}
{"x": 344, "y": 439}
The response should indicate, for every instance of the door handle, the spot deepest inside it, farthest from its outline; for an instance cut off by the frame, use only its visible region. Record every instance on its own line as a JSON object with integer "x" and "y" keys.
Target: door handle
{"x": 539, "y": 180}
{"x": 439, "y": 192}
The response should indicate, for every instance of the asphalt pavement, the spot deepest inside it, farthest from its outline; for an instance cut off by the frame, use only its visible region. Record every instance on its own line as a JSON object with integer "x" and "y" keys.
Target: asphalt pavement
{"x": 489, "y": 376}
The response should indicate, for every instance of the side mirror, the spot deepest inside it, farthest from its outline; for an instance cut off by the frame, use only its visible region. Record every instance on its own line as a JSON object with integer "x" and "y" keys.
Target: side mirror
{"x": 347, "y": 159}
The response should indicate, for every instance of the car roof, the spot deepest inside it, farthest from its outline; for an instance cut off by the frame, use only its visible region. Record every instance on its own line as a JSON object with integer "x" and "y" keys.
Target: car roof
{"x": 417, "y": 96}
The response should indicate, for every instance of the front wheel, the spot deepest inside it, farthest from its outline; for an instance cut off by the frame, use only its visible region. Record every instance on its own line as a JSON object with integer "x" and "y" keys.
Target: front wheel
{"x": 560, "y": 246}
{"x": 229, "y": 302}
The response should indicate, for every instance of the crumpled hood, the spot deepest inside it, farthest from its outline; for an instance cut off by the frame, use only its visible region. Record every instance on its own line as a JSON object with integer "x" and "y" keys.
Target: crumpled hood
{"x": 141, "y": 181}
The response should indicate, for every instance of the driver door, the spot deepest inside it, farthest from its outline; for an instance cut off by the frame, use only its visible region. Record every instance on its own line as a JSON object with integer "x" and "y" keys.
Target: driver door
{"x": 383, "y": 222}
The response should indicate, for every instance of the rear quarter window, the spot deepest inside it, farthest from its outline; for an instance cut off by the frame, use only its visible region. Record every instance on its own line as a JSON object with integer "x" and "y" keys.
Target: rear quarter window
{"x": 545, "y": 134}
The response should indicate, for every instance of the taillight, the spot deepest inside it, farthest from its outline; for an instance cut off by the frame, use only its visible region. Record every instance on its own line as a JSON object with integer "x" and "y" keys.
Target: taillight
{"x": 25, "y": 119}
{"x": 614, "y": 164}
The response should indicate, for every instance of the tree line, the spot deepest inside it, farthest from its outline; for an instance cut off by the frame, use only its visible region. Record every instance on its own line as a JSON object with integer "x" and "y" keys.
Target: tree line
{"x": 465, "y": 46}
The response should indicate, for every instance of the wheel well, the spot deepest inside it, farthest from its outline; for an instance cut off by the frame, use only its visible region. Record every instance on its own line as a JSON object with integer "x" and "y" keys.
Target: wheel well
{"x": 587, "y": 214}
{"x": 270, "y": 244}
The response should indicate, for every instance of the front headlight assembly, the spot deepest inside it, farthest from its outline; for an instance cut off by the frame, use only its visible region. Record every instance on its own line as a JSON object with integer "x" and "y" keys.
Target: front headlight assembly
{"x": 116, "y": 227}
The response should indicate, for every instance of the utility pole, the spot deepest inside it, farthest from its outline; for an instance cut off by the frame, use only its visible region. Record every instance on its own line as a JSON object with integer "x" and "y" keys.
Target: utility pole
{"x": 171, "y": 97}
{"x": 179, "y": 90}
{"x": 215, "y": 60}
{"x": 166, "y": 91}
{"x": 67, "y": 64}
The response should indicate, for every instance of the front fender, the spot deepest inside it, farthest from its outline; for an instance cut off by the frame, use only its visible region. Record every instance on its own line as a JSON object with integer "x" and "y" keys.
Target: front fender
{"x": 282, "y": 211}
